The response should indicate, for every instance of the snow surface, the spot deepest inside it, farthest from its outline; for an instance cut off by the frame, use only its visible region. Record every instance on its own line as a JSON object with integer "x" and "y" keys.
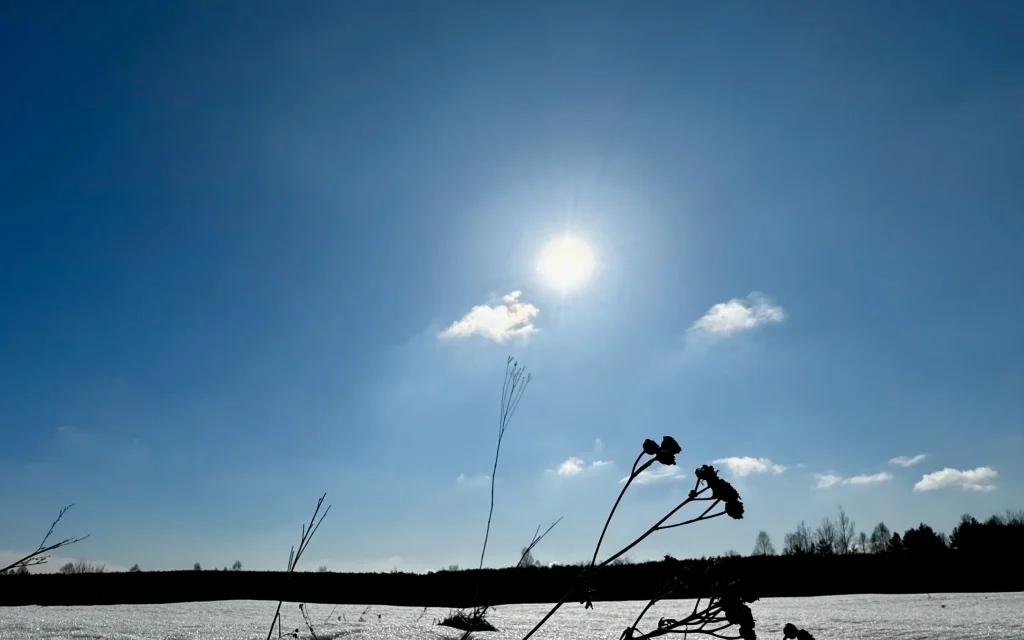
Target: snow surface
{"x": 861, "y": 617}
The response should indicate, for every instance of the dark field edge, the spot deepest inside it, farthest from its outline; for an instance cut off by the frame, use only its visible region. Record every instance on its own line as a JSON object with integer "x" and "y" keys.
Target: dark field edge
{"x": 769, "y": 576}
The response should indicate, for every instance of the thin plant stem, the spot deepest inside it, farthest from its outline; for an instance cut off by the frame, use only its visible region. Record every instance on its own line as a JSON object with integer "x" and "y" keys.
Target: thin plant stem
{"x": 695, "y": 495}
{"x": 632, "y": 475}
{"x": 512, "y": 391}
{"x": 307, "y": 536}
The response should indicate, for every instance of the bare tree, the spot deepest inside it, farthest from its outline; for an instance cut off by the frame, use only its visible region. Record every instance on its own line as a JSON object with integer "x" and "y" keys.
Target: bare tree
{"x": 845, "y": 532}
{"x": 825, "y": 538}
{"x": 880, "y": 537}
{"x": 80, "y": 567}
{"x": 322, "y": 569}
{"x": 237, "y": 566}
{"x": 134, "y": 568}
{"x": 197, "y": 567}
{"x": 800, "y": 542}
{"x": 527, "y": 559}
{"x": 862, "y": 542}
{"x": 763, "y": 545}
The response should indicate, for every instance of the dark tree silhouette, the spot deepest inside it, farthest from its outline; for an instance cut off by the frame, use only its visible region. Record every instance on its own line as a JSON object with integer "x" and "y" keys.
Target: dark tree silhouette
{"x": 800, "y": 542}
{"x": 896, "y": 544}
{"x": 825, "y": 538}
{"x": 880, "y": 538}
{"x": 763, "y": 545}
{"x": 923, "y": 539}
{"x": 845, "y": 531}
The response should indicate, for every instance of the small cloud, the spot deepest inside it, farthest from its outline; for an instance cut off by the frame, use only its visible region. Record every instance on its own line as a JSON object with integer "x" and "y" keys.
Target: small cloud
{"x": 598, "y": 445}
{"x": 575, "y": 466}
{"x": 742, "y": 466}
{"x": 905, "y": 461}
{"x": 72, "y": 435}
{"x": 510, "y": 319}
{"x": 660, "y": 473}
{"x": 727, "y": 318}
{"x": 868, "y": 479}
{"x": 570, "y": 467}
{"x": 478, "y": 480}
{"x": 829, "y": 480}
{"x": 979, "y": 479}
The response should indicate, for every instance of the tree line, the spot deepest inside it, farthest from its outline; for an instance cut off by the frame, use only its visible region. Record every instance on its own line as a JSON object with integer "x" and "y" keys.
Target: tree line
{"x": 995, "y": 535}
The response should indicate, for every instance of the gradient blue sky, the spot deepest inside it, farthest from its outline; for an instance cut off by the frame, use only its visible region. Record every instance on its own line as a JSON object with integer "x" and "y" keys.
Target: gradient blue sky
{"x": 231, "y": 235}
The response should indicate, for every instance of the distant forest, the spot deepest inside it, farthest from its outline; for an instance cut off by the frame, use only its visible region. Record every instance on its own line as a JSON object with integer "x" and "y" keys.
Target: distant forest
{"x": 831, "y": 559}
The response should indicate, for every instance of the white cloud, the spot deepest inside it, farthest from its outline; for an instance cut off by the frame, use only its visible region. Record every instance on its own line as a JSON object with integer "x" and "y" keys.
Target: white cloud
{"x": 727, "y": 318}
{"x": 906, "y": 461}
{"x": 575, "y": 466}
{"x": 510, "y": 319}
{"x": 570, "y": 467}
{"x": 478, "y": 480}
{"x": 868, "y": 479}
{"x": 742, "y": 466}
{"x": 659, "y": 473}
{"x": 829, "y": 480}
{"x": 979, "y": 479}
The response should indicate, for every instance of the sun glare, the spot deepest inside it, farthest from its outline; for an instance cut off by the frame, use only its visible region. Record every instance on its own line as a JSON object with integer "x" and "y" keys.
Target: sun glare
{"x": 566, "y": 263}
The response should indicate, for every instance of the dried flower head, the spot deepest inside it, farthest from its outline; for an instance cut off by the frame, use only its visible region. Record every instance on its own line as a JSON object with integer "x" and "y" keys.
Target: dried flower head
{"x": 734, "y": 509}
{"x": 790, "y": 632}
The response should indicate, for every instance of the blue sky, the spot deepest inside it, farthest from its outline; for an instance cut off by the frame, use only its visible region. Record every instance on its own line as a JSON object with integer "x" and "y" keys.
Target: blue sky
{"x": 233, "y": 236}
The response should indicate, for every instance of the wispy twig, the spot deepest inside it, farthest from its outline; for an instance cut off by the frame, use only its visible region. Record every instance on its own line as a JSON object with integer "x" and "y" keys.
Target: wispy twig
{"x": 39, "y": 556}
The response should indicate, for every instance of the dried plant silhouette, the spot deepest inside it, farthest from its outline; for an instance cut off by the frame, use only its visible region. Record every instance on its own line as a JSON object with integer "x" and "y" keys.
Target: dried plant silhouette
{"x": 535, "y": 541}
{"x": 39, "y": 556}
{"x": 726, "y": 609}
{"x": 293, "y": 559}
{"x": 512, "y": 389}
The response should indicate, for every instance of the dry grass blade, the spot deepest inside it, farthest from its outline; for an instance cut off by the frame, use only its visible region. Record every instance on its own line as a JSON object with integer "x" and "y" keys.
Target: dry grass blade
{"x": 512, "y": 389}
{"x": 294, "y": 556}
{"x": 536, "y": 540}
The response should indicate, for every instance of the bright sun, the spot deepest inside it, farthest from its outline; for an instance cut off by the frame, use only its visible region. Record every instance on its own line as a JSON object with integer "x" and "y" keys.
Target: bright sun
{"x": 566, "y": 263}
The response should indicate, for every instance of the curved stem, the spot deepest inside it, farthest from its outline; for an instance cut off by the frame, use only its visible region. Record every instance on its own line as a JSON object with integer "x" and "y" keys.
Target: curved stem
{"x": 703, "y": 516}
{"x": 655, "y": 527}
{"x": 632, "y": 475}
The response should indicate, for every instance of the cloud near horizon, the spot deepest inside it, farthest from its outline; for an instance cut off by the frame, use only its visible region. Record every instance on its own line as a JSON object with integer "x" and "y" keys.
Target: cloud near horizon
{"x": 742, "y": 466}
{"x": 829, "y": 480}
{"x": 728, "y": 318}
{"x": 511, "y": 319}
{"x": 906, "y": 461}
{"x": 979, "y": 479}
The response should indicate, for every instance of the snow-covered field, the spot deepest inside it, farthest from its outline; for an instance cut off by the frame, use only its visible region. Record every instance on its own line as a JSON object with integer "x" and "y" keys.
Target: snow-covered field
{"x": 912, "y": 617}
